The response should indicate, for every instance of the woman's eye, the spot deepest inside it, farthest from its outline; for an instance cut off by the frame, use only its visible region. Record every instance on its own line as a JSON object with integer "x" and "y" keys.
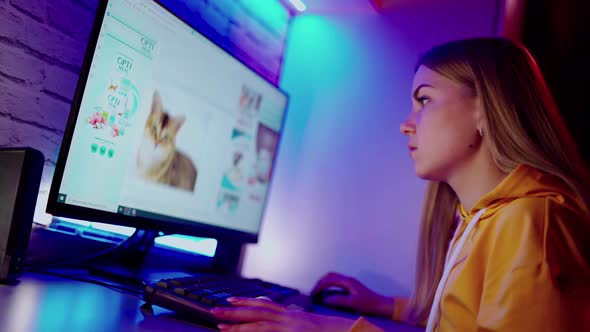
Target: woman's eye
{"x": 423, "y": 100}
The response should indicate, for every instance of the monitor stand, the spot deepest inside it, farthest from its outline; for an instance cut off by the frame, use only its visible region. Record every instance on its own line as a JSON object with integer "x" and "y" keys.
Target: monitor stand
{"x": 138, "y": 261}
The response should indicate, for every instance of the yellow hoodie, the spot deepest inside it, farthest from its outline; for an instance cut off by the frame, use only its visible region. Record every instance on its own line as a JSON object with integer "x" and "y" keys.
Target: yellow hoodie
{"x": 525, "y": 265}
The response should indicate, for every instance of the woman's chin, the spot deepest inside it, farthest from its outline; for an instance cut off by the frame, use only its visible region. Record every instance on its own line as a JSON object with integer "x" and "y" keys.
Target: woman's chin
{"x": 425, "y": 174}
{"x": 420, "y": 172}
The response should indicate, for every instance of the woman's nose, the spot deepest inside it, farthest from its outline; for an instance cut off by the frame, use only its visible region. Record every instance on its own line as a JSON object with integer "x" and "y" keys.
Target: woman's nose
{"x": 408, "y": 126}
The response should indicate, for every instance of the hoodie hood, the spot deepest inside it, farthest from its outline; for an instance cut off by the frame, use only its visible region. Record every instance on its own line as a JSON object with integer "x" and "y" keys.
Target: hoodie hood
{"x": 523, "y": 181}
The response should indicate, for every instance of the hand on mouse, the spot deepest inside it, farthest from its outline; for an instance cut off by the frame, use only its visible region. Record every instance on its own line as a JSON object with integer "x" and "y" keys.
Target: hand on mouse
{"x": 359, "y": 298}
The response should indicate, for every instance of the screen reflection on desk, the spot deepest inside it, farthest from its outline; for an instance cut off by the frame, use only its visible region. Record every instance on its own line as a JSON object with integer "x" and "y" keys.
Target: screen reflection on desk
{"x": 55, "y": 304}
{"x": 44, "y": 303}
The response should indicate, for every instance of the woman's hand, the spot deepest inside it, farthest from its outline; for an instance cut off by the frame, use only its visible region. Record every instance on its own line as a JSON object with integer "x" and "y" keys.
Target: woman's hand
{"x": 260, "y": 315}
{"x": 359, "y": 297}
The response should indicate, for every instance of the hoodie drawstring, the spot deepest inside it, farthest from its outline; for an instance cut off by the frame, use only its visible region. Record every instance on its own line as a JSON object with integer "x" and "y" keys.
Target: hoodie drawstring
{"x": 434, "y": 317}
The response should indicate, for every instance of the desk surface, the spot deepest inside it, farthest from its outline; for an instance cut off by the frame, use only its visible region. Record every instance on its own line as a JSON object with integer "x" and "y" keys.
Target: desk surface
{"x": 46, "y": 303}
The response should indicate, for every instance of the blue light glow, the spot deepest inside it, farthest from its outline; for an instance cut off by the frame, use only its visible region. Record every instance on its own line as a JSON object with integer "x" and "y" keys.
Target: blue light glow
{"x": 123, "y": 230}
{"x": 271, "y": 12}
{"x": 203, "y": 246}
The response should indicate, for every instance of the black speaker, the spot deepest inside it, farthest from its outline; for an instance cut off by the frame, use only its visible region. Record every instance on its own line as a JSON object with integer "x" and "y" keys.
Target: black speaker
{"x": 20, "y": 176}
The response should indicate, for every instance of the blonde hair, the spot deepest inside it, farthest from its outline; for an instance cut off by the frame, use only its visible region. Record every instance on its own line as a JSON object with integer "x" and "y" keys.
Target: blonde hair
{"x": 523, "y": 126}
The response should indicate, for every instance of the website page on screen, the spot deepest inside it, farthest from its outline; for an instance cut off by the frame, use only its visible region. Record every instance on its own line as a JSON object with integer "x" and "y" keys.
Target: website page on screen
{"x": 170, "y": 126}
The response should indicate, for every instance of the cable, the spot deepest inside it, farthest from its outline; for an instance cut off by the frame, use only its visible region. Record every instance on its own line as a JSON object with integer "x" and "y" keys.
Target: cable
{"x": 116, "y": 287}
{"x": 27, "y": 265}
{"x": 122, "y": 287}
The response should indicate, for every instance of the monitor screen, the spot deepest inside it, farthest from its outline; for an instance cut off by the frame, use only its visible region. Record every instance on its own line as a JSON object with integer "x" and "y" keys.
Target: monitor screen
{"x": 167, "y": 130}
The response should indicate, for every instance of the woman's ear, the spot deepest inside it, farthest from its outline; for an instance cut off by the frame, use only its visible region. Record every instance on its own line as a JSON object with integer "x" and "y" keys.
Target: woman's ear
{"x": 478, "y": 117}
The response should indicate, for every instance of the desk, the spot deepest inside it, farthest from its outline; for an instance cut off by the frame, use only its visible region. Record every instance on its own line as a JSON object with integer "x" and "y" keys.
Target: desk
{"x": 44, "y": 303}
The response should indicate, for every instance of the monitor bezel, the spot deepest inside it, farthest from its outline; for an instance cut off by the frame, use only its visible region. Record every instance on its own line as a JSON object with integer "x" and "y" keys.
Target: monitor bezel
{"x": 192, "y": 228}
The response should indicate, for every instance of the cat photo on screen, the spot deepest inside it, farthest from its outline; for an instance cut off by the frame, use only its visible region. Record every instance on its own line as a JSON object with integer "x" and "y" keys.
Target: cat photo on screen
{"x": 158, "y": 160}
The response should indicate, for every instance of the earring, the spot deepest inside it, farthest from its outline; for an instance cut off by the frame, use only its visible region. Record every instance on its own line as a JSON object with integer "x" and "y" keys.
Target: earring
{"x": 480, "y": 132}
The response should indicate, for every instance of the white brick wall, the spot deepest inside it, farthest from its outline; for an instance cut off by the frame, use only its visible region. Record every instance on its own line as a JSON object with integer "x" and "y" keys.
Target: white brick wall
{"x": 40, "y": 56}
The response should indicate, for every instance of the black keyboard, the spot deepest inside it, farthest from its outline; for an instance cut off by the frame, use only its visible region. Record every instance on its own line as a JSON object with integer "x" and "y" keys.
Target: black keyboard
{"x": 195, "y": 296}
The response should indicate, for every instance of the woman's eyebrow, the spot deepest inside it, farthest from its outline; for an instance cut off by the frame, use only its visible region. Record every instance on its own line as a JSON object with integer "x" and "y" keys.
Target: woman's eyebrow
{"x": 415, "y": 95}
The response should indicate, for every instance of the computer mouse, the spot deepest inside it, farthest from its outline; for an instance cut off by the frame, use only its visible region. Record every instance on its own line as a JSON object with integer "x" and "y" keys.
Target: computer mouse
{"x": 321, "y": 296}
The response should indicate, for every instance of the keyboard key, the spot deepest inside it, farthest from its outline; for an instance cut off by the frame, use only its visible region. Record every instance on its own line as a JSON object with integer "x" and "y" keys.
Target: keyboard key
{"x": 196, "y": 295}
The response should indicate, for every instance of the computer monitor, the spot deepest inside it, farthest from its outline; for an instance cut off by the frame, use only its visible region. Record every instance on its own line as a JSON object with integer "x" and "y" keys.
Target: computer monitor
{"x": 167, "y": 130}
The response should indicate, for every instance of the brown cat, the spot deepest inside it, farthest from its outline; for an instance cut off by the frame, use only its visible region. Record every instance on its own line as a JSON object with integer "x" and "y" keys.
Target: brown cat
{"x": 157, "y": 158}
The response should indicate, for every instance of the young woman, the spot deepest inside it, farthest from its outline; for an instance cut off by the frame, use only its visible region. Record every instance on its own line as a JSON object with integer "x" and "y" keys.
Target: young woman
{"x": 505, "y": 232}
